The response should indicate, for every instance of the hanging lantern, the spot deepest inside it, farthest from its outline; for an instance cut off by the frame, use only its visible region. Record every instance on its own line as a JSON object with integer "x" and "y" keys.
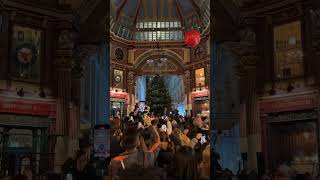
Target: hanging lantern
{"x": 192, "y": 38}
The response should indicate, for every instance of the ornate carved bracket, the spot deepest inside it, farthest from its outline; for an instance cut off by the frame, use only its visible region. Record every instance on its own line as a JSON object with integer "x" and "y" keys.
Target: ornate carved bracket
{"x": 80, "y": 55}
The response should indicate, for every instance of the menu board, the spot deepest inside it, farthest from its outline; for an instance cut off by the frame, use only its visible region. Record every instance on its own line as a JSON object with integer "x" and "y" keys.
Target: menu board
{"x": 101, "y": 143}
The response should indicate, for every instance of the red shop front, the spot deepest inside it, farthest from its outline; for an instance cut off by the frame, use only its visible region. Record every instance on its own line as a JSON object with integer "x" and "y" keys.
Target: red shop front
{"x": 201, "y": 102}
{"x": 118, "y": 103}
{"x": 289, "y": 131}
{"x": 25, "y": 127}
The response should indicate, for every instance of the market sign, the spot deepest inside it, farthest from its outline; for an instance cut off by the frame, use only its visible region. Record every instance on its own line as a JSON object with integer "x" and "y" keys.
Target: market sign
{"x": 203, "y": 93}
{"x": 27, "y": 107}
{"x": 101, "y": 142}
{"x": 119, "y": 95}
{"x": 20, "y": 138}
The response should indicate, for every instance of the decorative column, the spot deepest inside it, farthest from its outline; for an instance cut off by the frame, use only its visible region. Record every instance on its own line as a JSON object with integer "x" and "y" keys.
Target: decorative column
{"x": 250, "y": 126}
{"x": 63, "y": 64}
{"x": 131, "y": 91}
{"x": 253, "y": 126}
{"x": 315, "y": 20}
{"x": 188, "y": 91}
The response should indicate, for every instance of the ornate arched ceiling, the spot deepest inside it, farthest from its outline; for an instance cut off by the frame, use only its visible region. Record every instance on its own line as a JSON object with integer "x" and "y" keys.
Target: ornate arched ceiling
{"x": 125, "y": 14}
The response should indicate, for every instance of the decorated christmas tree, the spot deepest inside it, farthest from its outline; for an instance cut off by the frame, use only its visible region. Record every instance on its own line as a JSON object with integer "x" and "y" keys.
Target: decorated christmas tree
{"x": 158, "y": 97}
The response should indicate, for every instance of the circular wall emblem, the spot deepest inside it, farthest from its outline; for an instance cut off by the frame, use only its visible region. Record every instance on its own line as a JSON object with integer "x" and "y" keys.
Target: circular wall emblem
{"x": 26, "y": 53}
{"x": 117, "y": 79}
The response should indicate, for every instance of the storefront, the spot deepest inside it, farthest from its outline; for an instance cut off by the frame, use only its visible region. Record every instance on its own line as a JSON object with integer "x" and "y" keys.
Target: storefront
{"x": 290, "y": 128}
{"x": 24, "y": 130}
{"x": 201, "y": 102}
{"x": 118, "y": 104}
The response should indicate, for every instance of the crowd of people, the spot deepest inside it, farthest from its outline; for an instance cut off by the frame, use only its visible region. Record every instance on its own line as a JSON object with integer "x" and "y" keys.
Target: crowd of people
{"x": 170, "y": 147}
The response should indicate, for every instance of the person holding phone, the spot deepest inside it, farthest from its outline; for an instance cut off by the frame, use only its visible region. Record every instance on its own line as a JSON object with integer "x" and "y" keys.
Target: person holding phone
{"x": 195, "y": 140}
{"x": 137, "y": 153}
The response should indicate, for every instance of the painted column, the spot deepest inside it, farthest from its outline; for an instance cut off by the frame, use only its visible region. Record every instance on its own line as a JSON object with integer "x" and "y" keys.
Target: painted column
{"x": 63, "y": 64}
{"x": 188, "y": 91}
{"x": 253, "y": 125}
{"x": 131, "y": 92}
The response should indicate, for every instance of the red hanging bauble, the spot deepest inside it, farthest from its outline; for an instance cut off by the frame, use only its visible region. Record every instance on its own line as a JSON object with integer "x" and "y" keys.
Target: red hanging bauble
{"x": 192, "y": 38}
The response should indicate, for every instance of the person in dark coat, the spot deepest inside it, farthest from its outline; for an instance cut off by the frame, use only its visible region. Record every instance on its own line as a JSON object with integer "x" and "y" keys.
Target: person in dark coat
{"x": 185, "y": 166}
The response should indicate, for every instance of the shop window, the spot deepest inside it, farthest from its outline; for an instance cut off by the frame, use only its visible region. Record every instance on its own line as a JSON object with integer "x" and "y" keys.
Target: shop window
{"x": 198, "y": 53}
{"x": 288, "y": 53}
{"x": 200, "y": 78}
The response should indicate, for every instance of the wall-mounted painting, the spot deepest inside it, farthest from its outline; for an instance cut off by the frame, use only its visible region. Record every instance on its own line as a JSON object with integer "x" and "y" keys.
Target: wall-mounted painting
{"x": 117, "y": 79}
{"x": 26, "y": 54}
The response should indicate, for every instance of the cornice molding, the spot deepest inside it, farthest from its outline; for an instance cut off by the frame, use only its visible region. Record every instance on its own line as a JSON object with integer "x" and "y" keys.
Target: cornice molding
{"x": 53, "y": 13}
{"x": 269, "y": 6}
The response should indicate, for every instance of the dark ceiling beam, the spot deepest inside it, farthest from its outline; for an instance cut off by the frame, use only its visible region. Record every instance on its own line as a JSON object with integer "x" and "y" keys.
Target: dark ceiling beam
{"x": 231, "y": 9}
{"x": 196, "y": 7}
{"x": 137, "y": 13}
{"x": 198, "y": 11}
{"x": 179, "y": 12}
{"x": 124, "y": 2}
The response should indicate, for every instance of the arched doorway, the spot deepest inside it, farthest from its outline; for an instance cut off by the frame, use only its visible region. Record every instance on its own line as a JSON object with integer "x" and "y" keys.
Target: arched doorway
{"x": 169, "y": 65}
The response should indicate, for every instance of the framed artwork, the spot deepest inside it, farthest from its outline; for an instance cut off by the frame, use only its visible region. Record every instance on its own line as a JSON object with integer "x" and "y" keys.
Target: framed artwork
{"x": 288, "y": 52}
{"x": 26, "y": 52}
{"x": 117, "y": 79}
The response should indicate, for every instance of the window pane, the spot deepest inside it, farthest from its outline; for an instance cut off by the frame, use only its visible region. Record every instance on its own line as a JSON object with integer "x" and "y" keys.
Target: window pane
{"x": 200, "y": 78}
{"x": 288, "y": 52}
{"x": 162, "y": 25}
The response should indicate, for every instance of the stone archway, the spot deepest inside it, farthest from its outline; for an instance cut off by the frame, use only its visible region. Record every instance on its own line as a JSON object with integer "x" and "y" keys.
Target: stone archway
{"x": 173, "y": 65}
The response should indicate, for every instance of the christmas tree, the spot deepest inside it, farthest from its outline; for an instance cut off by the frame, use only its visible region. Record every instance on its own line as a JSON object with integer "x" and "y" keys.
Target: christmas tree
{"x": 158, "y": 97}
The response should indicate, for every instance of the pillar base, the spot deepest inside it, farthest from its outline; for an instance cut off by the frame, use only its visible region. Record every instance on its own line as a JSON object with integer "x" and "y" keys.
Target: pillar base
{"x": 65, "y": 148}
{"x": 59, "y": 154}
{"x": 254, "y": 146}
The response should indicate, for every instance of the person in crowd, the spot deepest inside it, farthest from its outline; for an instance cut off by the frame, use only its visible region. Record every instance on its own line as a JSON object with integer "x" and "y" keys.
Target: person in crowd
{"x": 198, "y": 121}
{"x": 28, "y": 173}
{"x": 170, "y": 144}
{"x": 166, "y": 154}
{"x": 19, "y": 177}
{"x": 133, "y": 156}
{"x": 176, "y": 137}
{"x": 115, "y": 137}
{"x": 143, "y": 174}
{"x": 69, "y": 169}
{"x": 185, "y": 166}
{"x": 194, "y": 141}
{"x": 205, "y": 164}
{"x": 184, "y": 138}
